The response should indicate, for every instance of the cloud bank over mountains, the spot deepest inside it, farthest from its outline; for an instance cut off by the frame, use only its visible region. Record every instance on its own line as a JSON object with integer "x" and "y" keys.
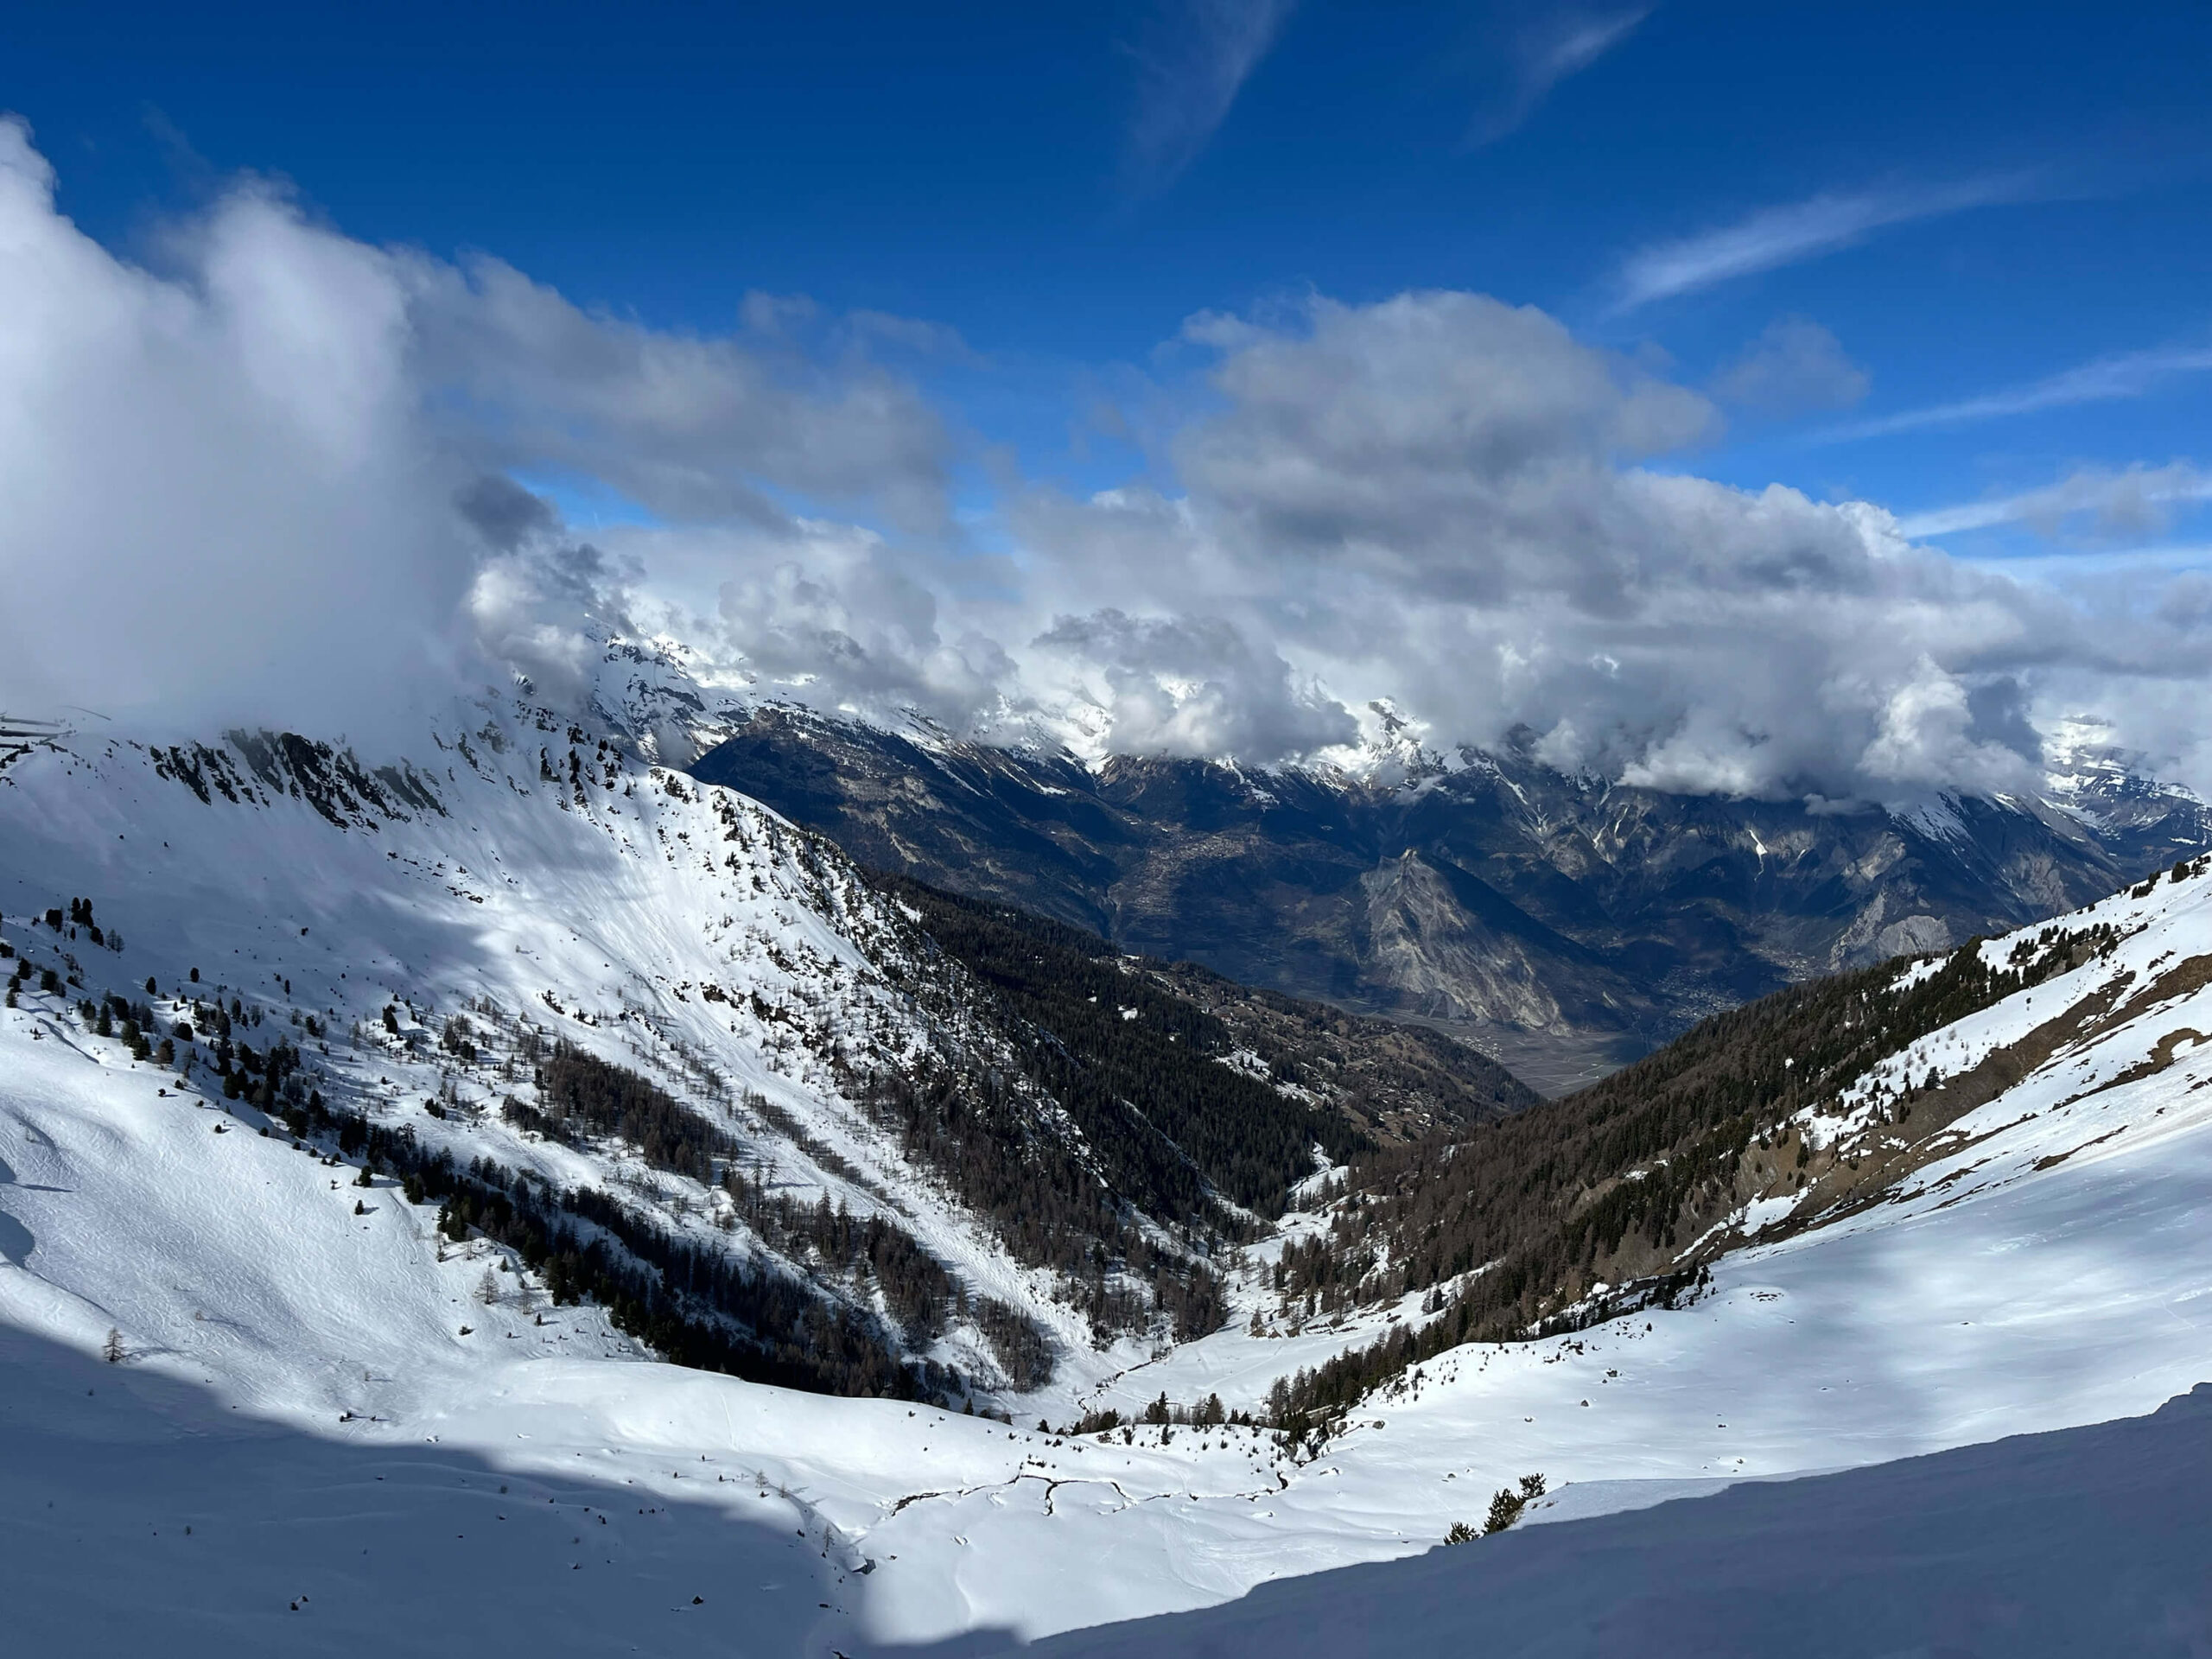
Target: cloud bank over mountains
{"x": 272, "y": 477}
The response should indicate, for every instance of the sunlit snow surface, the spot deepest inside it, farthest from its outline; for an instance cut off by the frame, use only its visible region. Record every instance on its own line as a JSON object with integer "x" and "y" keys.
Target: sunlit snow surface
{"x": 259, "y": 1311}
{"x": 2084, "y": 1540}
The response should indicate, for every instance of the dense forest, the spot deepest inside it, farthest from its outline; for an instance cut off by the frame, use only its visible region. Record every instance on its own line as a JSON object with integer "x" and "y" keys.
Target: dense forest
{"x": 1198, "y": 1104}
{"x": 579, "y": 1094}
{"x": 697, "y": 1305}
{"x": 1396, "y": 1081}
{"x": 1138, "y": 1066}
{"x": 1165, "y": 1132}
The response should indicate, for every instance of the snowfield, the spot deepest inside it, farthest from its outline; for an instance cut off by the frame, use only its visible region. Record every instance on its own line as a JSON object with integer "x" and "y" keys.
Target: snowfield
{"x": 2044, "y": 1547}
{"x": 296, "y": 1386}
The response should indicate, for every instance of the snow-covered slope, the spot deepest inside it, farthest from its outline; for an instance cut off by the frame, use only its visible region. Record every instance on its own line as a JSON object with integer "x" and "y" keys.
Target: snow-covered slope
{"x": 536, "y": 886}
{"x": 294, "y": 1384}
{"x": 2082, "y": 1541}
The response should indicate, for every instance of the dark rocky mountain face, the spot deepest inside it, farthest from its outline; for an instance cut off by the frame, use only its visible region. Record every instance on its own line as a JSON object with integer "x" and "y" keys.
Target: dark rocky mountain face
{"x": 1562, "y": 925}
{"x": 1134, "y": 1031}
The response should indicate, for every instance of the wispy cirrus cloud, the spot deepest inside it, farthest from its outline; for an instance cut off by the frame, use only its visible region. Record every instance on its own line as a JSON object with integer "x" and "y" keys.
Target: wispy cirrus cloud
{"x": 2131, "y": 502}
{"x": 1774, "y": 237}
{"x": 1545, "y": 50}
{"x": 2104, "y": 379}
{"x": 1197, "y": 58}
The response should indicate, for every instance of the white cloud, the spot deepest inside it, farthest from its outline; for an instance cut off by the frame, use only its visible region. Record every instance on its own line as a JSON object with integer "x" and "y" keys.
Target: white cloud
{"x": 1437, "y": 501}
{"x": 2133, "y": 502}
{"x": 1195, "y": 686}
{"x": 2106, "y": 380}
{"x": 231, "y": 488}
{"x": 691, "y": 427}
{"x": 1550, "y": 44}
{"x": 216, "y": 494}
{"x": 1196, "y": 59}
{"x": 267, "y": 486}
{"x": 1774, "y": 237}
{"x": 1795, "y": 365}
{"x": 1927, "y": 740}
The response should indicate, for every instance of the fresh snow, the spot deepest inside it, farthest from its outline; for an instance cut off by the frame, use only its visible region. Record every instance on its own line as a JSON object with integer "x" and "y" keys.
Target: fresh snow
{"x": 296, "y": 1389}
{"x": 2045, "y": 1546}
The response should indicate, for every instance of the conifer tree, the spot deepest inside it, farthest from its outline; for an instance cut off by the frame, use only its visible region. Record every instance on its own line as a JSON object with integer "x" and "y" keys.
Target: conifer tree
{"x": 1504, "y": 1509}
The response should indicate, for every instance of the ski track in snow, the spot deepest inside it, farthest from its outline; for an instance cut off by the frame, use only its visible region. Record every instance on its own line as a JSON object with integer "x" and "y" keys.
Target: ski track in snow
{"x": 258, "y": 1310}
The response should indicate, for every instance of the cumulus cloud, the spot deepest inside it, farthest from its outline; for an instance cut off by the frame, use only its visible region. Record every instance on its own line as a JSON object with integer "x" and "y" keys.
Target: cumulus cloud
{"x": 1193, "y": 686}
{"x": 216, "y": 494}
{"x": 1452, "y": 505}
{"x": 832, "y": 616}
{"x": 276, "y": 481}
{"x": 1376, "y": 436}
{"x": 541, "y": 605}
{"x": 1793, "y": 366}
{"x": 690, "y": 427}
{"x": 266, "y": 482}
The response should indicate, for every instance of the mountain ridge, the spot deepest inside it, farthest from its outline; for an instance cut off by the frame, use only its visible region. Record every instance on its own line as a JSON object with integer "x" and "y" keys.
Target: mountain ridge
{"x": 1562, "y": 925}
{"x": 570, "y": 995}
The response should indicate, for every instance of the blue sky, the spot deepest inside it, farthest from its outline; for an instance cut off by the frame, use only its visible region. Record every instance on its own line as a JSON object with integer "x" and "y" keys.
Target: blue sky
{"x": 1952, "y": 259}
{"x": 2044, "y": 171}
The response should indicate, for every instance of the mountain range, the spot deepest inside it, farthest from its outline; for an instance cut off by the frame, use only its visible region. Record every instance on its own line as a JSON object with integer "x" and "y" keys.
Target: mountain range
{"x": 526, "y": 1140}
{"x": 1562, "y": 925}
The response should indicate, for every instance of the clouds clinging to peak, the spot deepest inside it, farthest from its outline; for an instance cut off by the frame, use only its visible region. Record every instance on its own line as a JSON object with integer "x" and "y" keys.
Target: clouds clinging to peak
{"x": 1453, "y": 505}
{"x": 217, "y": 494}
{"x": 248, "y": 486}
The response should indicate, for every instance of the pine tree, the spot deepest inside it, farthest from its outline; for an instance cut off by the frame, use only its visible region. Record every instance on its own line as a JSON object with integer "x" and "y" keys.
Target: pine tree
{"x": 111, "y": 1349}
{"x": 1504, "y": 1509}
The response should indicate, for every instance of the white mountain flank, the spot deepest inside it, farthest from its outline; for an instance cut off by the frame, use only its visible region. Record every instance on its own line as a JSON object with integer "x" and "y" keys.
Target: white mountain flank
{"x": 293, "y": 1385}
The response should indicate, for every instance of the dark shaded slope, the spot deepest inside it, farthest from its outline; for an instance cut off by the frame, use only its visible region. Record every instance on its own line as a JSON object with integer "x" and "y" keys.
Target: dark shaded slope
{"x": 1176, "y": 1075}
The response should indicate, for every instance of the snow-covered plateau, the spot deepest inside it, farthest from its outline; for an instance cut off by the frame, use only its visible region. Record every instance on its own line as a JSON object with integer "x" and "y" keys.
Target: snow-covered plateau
{"x": 252, "y": 1400}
